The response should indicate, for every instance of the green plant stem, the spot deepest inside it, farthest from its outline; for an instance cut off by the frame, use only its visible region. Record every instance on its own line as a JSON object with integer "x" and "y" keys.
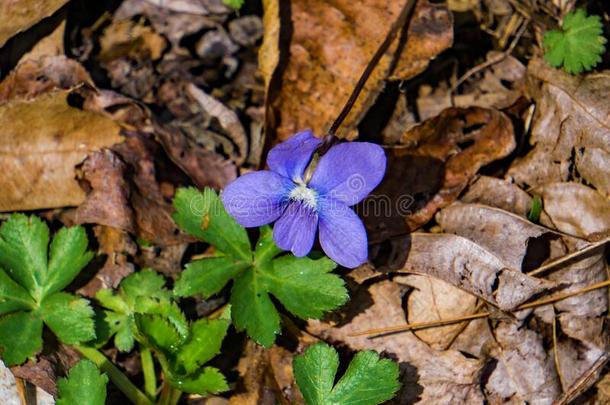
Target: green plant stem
{"x": 116, "y": 376}
{"x": 150, "y": 376}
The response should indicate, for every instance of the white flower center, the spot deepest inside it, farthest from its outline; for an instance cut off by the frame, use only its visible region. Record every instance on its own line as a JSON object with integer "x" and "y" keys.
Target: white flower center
{"x": 304, "y": 194}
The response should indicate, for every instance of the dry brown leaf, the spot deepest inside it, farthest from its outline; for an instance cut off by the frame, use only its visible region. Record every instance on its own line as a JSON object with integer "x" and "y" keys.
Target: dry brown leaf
{"x": 254, "y": 387}
{"x": 41, "y": 148}
{"x": 576, "y": 209}
{"x": 571, "y": 129}
{"x": 19, "y": 15}
{"x": 529, "y": 367}
{"x": 51, "y": 45}
{"x": 126, "y": 38}
{"x": 428, "y": 376}
{"x": 498, "y": 193}
{"x": 227, "y": 118}
{"x": 435, "y": 300}
{"x": 468, "y": 266}
{"x": 328, "y": 53}
{"x": 505, "y": 234}
{"x": 438, "y": 159}
{"x": 34, "y": 77}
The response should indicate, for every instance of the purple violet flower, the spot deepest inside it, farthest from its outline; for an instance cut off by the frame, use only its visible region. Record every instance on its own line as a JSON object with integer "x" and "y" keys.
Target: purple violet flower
{"x": 344, "y": 176}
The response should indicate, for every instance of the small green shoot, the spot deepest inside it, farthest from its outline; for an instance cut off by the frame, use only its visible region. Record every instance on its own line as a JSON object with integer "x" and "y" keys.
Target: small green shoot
{"x": 579, "y": 44}
{"x": 535, "y": 210}
{"x": 368, "y": 380}
{"x": 234, "y": 4}
{"x": 85, "y": 385}
{"x": 306, "y": 287}
{"x": 32, "y": 277}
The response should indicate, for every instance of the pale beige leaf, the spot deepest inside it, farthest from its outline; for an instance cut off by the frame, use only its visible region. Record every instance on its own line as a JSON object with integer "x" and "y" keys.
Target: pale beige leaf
{"x": 42, "y": 140}
{"x": 498, "y": 193}
{"x": 434, "y": 300}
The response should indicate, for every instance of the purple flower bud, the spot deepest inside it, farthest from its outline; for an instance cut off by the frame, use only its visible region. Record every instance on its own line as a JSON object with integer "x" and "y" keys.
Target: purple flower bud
{"x": 344, "y": 176}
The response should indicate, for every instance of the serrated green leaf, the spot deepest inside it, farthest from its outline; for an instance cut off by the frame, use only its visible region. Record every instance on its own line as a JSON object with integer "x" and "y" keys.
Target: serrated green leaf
{"x": 23, "y": 251}
{"x": 204, "y": 343}
{"x": 68, "y": 256}
{"x": 305, "y": 286}
{"x": 159, "y": 332}
{"x": 209, "y": 381}
{"x": 368, "y": 380}
{"x": 13, "y": 297}
{"x": 20, "y": 337}
{"x": 85, "y": 385}
{"x": 69, "y": 317}
{"x": 202, "y": 215}
{"x": 139, "y": 293}
{"x": 579, "y": 45}
{"x": 253, "y": 310}
{"x": 207, "y": 276}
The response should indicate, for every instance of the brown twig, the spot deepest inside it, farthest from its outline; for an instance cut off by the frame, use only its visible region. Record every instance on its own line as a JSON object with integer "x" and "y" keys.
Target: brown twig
{"x": 443, "y": 322}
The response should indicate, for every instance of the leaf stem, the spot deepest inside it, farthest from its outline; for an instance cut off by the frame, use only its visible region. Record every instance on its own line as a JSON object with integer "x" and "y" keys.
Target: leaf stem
{"x": 117, "y": 377}
{"x": 148, "y": 369}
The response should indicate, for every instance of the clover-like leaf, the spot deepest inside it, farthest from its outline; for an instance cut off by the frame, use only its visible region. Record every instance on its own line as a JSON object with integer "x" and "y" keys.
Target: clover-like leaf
{"x": 306, "y": 287}
{"x": 30, "y": 285}
{"x": 368, "y": 379}
{"x": 139, "y": 293}
{"x": 85, "y": 385}
{"x": 579, "y": 44}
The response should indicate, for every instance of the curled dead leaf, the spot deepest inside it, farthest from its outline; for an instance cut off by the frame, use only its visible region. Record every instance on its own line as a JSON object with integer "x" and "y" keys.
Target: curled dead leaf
{"x": 468, "y": 266}
{"x": 432, "y": 167}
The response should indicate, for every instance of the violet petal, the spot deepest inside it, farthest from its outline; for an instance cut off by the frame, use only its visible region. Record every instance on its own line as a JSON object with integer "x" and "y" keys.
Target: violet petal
{"x": 291, "y": 157}
{"x": 296, "y": 229}
{"x": 342, "y": 233}
{"x": 257, "y": 198}
{"x": 348, "y": 172}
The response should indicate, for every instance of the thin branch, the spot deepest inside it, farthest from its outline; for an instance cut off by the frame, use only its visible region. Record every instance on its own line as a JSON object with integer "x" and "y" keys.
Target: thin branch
{"x": 443, "y": 322}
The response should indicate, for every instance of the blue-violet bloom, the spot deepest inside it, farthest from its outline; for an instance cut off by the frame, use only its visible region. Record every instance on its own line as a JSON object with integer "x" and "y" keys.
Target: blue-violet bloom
{"x": 343, "y": 176}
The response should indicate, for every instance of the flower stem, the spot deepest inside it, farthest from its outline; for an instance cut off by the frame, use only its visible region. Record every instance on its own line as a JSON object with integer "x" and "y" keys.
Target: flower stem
{"x": 148, "y": 369}
{"x": 117, "y": 377}
{"x": 405, "y": 13}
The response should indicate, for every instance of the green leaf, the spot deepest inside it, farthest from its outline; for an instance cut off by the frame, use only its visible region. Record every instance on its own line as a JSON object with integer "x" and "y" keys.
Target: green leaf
{"x": 368, "y": 380}
{"x": 579, "y": 44}
{"x": 139, "y": 293}
{"x": 202, "y": 215}
{"x": 204, "y": 343}
{"x": 69, "y": 317}
{"x": 20, "y": 337}
{"x": 253, "y": 310}
{"x": 68, "y": 256}
{"x": 23, "y": 251}
{"x": 12, "y": 296}
{"x": 207, "y": 276}
{"x": 159, "y": 332}
{"x": 305, "y": 286}
{"x": 536, "y": 209}
{"x": 209, "y": 381}
{"x": 234, "y": 4}
{"x": 85, "y": 385}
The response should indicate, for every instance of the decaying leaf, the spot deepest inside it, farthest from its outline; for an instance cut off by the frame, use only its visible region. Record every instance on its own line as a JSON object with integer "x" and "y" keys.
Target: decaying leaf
{"x": 498, "y": 193}
{"x": 435, "y": 163}
{"x": 42, "y": 148}
{"x": 570, "y": 132}
{"x": 466, "y": 265}
{"x": 529, "y": 367}
{"x": 577, "y": 210}
{"x": 435, "y": 300}
{"x": 317, "y": 81}
{"x": 428, "y": 376}
{"x": 24, "y": 14}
